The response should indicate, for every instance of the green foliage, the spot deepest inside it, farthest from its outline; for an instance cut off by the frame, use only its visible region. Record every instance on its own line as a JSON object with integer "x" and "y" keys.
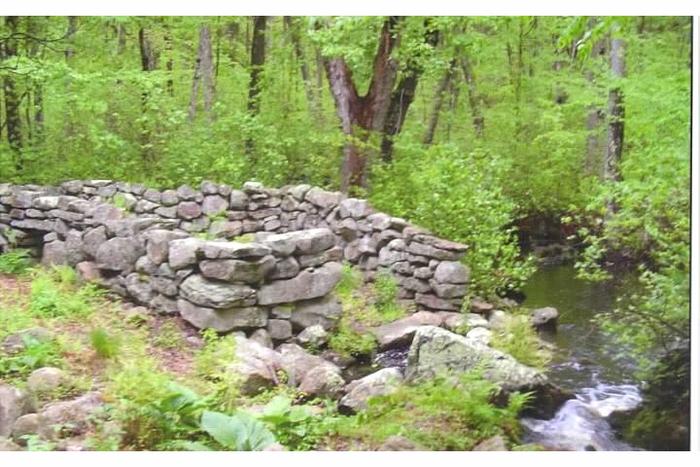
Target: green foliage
{"x": 350, "y": 281}
{"x": 438, "y": 415}
{"x": 104, "y": 344}
{"x": 15, "y": 261}
{"x": 35, "y": 354}
{"x": 54, "y": 293}
{"x": 294, "y": 426}
{"x": 519, "y": 339}
{"x": 238, "y": 432}
{"x": 385, "y": 295}
{"x": 168, "y": 336}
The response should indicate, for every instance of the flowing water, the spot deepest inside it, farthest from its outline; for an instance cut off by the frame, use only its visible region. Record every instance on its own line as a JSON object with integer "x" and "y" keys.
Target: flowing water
{"x": 586, "y": 361}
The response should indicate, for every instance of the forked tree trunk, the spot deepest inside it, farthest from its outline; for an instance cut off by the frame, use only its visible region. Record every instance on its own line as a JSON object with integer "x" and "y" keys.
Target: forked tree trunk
{"x": 360, "y": 116}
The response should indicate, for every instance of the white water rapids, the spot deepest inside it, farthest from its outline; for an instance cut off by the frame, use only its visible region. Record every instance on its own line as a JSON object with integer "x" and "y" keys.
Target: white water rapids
{"x": 581, "y": 423}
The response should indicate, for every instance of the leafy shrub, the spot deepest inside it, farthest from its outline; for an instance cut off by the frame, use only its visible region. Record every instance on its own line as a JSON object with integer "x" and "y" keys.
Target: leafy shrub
{"x": 15, "y": 261}
{"x": 104, "y": 344}
{"x": 441, "y": 414}
{"x": 238, "y": 432}
{"x": 294, "y": 426}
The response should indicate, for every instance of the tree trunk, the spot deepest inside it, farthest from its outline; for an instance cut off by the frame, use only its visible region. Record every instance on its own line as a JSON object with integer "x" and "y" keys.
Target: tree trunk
{"x": 70, "y": 33}
{"x": 437, "y": 105}
{"x": 360, "y": 116}
{"x": 616, "y": 115}
{"x": 312, "y": 94}
{"x": 13, "y": 120}
{"x": 473, "y": 97}
{"x": 149, "y": 61}
{"x": 121, "y": 39}
{"x": 257, "y": 62}
{"x": 37, "y": 119}
{"x": 204, "y": 72}
{"x": 168, "y": 44}
{"x": 402, "y": 98}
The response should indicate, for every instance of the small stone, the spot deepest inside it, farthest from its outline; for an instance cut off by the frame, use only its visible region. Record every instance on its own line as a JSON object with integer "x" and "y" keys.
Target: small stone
{"x": 313, "y": 336}
{"x": 189, "y": 210}
{"x": 451, "y": 272}
{"x": 45, "y": 379}
{"x": 545, "y": 318}
{"x": 279, "y": 329}
{"x": 262, "y": 337}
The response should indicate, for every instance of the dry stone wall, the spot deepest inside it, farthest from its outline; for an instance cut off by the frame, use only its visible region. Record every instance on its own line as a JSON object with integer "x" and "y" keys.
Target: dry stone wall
{"x": 179, "y": 251}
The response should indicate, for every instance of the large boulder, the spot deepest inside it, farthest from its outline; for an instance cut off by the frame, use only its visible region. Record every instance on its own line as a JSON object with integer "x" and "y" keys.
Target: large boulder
{"x": 401, "y": 332}
{"x": 13, "y": 404}
{"x": 119, "y": 254}
{"x": 222, "y": 320}
{"x": 545, "y": 318}
{"x": 206, "y": 293}
{"x": 73, "y": 416}
{"x": 255, "y": 365}
{"x": 308, "y": 284}
{"x": 183, "y": 253}
{"x": 297, "y": 362}
{"x": 451, "y": 272}
{"x": 358, "y": 392}
{"x": 435, "y": 351}
{"x": 325, "y": 311}
{"x": 323, "y": 381}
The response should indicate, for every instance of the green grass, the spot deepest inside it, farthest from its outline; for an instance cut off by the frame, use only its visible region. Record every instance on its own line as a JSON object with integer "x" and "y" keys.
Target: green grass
{"x": 520, "y": 340}
{"x": 104, "y": 344}
{"x": 437, "y": 415}
{"x": 55, "y": 293}
{"x": 35, "y": 354}
{"x": 364, "y": 306}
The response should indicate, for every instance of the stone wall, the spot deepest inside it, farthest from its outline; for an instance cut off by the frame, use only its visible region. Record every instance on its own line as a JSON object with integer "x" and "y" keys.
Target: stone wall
{"x": 171, "y": 250}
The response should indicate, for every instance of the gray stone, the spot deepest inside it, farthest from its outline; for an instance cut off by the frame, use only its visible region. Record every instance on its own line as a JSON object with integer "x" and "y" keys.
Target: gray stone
{"x": 297, "y": 363}
{"x": 298, "y": 191}
{"x": 189, "y": 210}
{"x": 279, "y": 329}
{"x": 92, "y": 239}
{"x": 213, "y": 205}
{"x": 31, "y": 424}
{"x": 285, "y": 268}
{"x": 423, "y": 273}
{"x": 157, "y": 244}
{"x": 186, "y": 193}
{"x": 226, "y": 229}
{"x": 45, "y": 379}
{"x": 235, "y": 270}
{"x": 399, "y": 333}
{"x": 480, "y": 335}
{"x": 494, "y": 443}
{"x": 399, "y": 443}
{"x": 313, "y": 336}
{"x": 7, "y": 445}
{"x": 74, "y": 416}
{"x": 325, "y": 311}
{"x": 332, "y": 254}
{"x": 72, "y": 187}
{"x": 432, "y": 252}
{"x": 106, "y": 212}
{"x": 439, "y": 243}
{"x": 45, "y": 203}
{"x": 460, "y": 321}
{"x": 307, "y": 285}
{"x": 170, "y": 212}
{"x": 183, "y": 253}
{"x": 164, "y": 305}
{"x": 452, "y": 272}
{"x": 353, "y": 207}
{"x": 262, "y": 337}
{"x": 145, "y": 266}
{"x": 54, "y": 253}
{"x": 119, "y": 254}
{"x": 164, "y": 285}
{"x": 323, "y": 381}
{"x": 411, "y": 283}
{"x": 322, "y": 198}
{"x": 255, "y": 365}
{"x": 209, "y": 188}
{"x": 545, "y": 318}
{"x": 145, "y": 206}
{"x": 437, "y": 303}
{"x": 139, "y": 288}
{"x": 380, "y": 383}
{"x": 233, "y": 250}
{"x": 203, "y": 292}
{"x": 239, "y": 200}
{"x": 13, "y": 404}
{"x": 448, "y": 290}
{"x": 435, "y": 351}
{"x": 169, "y": 198}
{"x": 222, "y": 320}
{"x": 480, "y": 306}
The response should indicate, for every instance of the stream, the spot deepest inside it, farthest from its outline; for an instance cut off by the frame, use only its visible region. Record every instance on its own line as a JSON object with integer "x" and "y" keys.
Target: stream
{"x": 586, "y": 362}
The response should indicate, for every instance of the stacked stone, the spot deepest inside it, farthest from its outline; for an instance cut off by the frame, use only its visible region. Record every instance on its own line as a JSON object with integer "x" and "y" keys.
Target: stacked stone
{"x": 427, "y": 268}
